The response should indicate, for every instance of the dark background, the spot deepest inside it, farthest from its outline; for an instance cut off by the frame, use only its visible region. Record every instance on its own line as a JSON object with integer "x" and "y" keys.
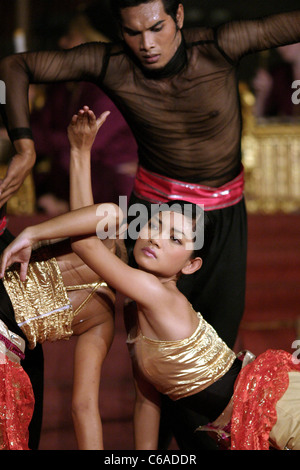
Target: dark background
{"x": 46, "y": 17}
{"x": 44, "y": 20}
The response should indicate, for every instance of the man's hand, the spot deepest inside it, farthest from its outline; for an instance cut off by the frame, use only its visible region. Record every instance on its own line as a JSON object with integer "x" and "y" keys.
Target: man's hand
{"x": 19, "y": 167}
{"x": 83, "y": 129}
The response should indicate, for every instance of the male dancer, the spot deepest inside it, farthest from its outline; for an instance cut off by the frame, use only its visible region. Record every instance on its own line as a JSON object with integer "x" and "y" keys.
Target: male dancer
{"x": 178, "y": 91}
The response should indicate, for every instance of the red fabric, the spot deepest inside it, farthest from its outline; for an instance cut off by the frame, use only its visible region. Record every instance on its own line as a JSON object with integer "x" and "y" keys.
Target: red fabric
{"x": 157, "y": 188}
{"x": 16, "y": 406}
{"x": 259, "y": 387}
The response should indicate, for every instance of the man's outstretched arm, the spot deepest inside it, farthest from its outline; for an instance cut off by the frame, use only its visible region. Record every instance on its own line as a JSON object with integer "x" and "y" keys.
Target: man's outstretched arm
{"x": 17, "y": 72}
{"x": 239, "y": 38}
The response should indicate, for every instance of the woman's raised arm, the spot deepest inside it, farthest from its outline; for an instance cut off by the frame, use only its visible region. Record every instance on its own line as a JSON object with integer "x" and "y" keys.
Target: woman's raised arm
{"x": 82, "y": 132}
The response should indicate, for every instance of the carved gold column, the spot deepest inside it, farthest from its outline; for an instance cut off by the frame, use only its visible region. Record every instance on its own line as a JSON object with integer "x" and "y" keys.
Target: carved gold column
{"x": 271, "y": 157}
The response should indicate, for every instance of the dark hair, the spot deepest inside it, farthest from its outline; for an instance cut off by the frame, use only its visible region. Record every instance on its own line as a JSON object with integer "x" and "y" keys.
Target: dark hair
{"x": 170, "y": 6}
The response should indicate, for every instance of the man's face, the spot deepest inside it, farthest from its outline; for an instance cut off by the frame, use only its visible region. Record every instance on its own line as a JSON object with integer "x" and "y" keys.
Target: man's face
{"x": 151, "y": 34}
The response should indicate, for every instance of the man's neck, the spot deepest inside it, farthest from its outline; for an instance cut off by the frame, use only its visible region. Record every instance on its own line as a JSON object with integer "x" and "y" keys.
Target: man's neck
{"x": 174, "y": 66}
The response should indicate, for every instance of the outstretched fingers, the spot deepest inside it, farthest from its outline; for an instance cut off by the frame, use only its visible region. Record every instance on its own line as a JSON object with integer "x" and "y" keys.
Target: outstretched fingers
{"x": 86, "y": 117}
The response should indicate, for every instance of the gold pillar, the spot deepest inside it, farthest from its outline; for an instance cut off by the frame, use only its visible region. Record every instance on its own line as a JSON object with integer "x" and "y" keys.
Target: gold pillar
{"x": 271, "y": 158}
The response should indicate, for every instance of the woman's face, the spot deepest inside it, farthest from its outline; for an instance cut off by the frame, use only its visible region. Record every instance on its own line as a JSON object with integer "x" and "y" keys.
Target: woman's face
{"x": 151, "y": 33}
{"x": 165, "y": 244}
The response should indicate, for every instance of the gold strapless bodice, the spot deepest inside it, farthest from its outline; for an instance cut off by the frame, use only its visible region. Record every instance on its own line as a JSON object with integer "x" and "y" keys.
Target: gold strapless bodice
{"x": 41, "y": 305}
{"x": 183, "y": 367}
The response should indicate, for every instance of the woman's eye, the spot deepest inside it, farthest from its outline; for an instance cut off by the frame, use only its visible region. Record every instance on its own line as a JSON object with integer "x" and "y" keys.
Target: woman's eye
{"x": 153, "y": 226}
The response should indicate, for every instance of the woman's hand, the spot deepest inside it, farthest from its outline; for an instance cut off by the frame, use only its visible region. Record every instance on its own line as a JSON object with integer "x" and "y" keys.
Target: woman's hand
{"x": 83, "y": 129}
{"x": 19, "y": 251}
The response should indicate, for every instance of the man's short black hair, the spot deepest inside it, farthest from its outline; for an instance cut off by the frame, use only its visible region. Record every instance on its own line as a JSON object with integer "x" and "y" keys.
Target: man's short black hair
{"x": 170, "y": 6}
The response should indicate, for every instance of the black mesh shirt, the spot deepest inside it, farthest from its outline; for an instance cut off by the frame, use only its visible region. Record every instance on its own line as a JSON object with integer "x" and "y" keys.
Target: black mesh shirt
{"x": 185, "y": 117}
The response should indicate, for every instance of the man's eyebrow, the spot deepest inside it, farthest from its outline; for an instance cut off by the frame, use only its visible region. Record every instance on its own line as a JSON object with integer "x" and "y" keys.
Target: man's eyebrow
{"x": 129, "y": 30}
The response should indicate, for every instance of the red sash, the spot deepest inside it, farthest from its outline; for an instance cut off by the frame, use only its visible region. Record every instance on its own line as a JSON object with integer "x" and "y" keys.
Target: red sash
{"x": 157, "y": 188}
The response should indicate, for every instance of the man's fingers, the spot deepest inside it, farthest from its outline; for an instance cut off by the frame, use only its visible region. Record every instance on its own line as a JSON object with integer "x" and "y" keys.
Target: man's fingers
{"x": 3, "y": 184}
{"x": 3, "y": 201}
{"x": 6, "y": 194}
{"x": 8, "y": 187}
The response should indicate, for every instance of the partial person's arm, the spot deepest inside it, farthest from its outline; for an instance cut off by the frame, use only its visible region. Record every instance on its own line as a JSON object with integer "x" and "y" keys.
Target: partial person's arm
{"x": 18, "y": 169}
{"x": 239, "y": 38}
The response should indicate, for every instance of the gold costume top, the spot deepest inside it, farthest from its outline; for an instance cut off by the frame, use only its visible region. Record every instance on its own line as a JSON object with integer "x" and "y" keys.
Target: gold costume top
{"x": 183, "y": 367}
{"x": 41, "y": 305}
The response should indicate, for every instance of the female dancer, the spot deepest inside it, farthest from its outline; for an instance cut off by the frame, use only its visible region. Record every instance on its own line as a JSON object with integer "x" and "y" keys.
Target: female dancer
{"x": 168, "y": 334}
{"x": 61, "y": 297}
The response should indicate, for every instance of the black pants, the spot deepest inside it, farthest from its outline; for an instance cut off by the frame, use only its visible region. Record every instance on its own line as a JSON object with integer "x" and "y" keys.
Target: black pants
{"x": 33, "y": 363}
{"x": 217, "y": 291}
{"x": 190, "y": 412}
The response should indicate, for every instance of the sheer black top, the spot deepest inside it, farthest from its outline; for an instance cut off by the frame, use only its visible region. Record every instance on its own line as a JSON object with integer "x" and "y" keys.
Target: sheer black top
{"x": 185, "y": 117}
